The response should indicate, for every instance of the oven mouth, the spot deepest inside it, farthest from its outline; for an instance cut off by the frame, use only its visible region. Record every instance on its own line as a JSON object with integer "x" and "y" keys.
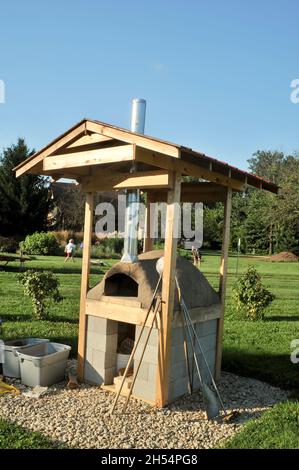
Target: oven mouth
{"x": 120, "y": 285}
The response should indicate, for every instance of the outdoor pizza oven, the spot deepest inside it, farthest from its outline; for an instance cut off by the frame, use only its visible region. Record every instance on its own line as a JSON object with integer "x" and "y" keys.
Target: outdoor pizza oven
{"x": 116, "y": 307}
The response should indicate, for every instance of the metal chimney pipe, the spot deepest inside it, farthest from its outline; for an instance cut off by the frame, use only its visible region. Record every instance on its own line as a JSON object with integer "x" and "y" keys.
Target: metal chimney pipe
{"x": 130, "y": 254}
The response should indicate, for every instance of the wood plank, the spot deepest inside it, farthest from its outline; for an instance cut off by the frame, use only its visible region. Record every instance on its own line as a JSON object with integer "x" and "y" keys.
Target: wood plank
{"x": 88, "y": 139}
{"x": 115, "y": 181}
{"x": 112, "y": 311}
{"x": 186, "y": 168}
{"x": 39, "y": 156}
{"x": 138, "y": 139}
{"x": 223, "y": 279}
{"x": 168, "y": 291}
{"x": 88, "y": 228}
{"x": 194, "y": 192}
{"x": 91, "y": 157}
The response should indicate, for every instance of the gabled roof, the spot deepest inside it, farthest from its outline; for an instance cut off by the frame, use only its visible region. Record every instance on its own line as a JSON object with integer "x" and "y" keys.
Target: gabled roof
{"x": 103, "y": 144}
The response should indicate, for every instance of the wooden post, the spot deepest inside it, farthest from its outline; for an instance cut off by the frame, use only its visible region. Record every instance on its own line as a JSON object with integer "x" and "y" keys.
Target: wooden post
{"x": 223, "y": 278}
{"x": 168, "y": 290}
{"x": 148, "y": 242}
{"x": 88, "y": 225}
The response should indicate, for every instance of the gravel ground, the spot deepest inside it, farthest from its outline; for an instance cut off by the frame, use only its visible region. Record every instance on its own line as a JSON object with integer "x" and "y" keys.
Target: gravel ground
{"x": 80, "y": 418}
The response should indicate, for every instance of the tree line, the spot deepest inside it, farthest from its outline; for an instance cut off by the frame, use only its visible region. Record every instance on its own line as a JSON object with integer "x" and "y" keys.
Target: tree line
{"x": 264, "y": 222}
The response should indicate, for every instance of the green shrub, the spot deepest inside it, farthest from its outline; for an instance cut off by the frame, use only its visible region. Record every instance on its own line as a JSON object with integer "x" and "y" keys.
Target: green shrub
{"x": 41, "y": 287}
{"x": 41, "y": 243}
{"x": 251, "y": 296}
{"x": 105, "y": 248}
{"x": 8, "y": 245}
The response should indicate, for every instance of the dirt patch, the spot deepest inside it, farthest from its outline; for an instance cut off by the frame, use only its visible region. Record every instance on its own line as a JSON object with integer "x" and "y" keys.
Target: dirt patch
{"x": 284, "y": 256}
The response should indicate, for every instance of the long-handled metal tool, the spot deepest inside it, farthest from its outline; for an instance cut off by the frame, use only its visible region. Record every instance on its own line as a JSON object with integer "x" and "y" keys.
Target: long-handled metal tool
{"x": 136, "y": 345}
{"x": 211, "y": 407}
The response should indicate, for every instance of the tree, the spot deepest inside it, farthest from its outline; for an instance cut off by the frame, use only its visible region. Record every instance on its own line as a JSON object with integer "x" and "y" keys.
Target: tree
{"x": 24, "y": 201}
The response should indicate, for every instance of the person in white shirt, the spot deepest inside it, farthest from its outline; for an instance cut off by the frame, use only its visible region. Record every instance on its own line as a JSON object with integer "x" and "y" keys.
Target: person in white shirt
{"x": 70, "y": 250}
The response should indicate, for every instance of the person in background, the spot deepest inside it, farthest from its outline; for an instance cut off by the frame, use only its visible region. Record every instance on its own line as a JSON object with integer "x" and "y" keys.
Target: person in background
{"x": 70, "y": 250}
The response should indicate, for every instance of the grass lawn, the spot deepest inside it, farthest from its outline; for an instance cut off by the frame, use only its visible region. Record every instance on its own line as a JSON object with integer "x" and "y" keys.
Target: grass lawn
{"x": 277, "y": 428}
{"x": 256, "y": 349}
{"x": 13, "y": 436}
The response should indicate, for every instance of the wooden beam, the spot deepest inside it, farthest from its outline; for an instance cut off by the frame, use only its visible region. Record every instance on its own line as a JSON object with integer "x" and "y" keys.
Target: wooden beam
{"x": 88, "y": 139}
{"x": 223, "y": 279}
{"x": 186, "y": 168}
{"x": 92, "y": 157}
{"x": 145, "y": 142}
{"x": 116, "y": 181}
{"x": 168, "y": 290}
{"x": 88, "y": 225}
{"x": 39, "y": 156}
{"x": 148, "y": 241}
{"x": 113, "y": 311}
{"x": 194, "y": 192}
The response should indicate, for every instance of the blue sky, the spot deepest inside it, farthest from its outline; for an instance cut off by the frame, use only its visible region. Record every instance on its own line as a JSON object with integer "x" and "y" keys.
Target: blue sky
{"x": 216, "y": 75}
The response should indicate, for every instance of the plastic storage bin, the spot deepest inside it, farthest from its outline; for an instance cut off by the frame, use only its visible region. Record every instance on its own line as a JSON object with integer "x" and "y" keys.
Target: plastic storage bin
{"x": 43, "y": 364}
{"x": 11, "y": 365}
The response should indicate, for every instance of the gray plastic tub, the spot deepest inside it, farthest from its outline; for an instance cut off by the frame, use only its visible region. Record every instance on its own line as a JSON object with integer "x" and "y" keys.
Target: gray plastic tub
{"x": 43, "y": 364}
{"x": 11, "y": 365}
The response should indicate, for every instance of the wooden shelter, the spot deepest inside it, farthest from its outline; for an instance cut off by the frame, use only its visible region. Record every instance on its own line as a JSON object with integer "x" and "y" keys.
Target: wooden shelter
{"x": 100, "y": 157}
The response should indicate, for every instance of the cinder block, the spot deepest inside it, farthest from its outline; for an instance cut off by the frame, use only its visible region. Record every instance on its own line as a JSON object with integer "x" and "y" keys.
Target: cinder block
{"x": 88, "y": 355}
{"x": 101, "y": 325}
{"x": 150, "y": 353}
{"x": 152, "y": 373}
{"x": 144, "y": 389}
{"x": 177, "y": 388}
{"x": 209, "y": 327}
{"x": 91, "y": 375}
{"x": 103, "y": 360}
{"x": 177, "y": 335}
{"x": 108, "y": 375}
{"x": 208, "y": 342}
{"x": 102, "y": 342}
{"x": 153, "y": 339}
{"x": 143, "y": 370}
{"x": 179, "y": 369}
